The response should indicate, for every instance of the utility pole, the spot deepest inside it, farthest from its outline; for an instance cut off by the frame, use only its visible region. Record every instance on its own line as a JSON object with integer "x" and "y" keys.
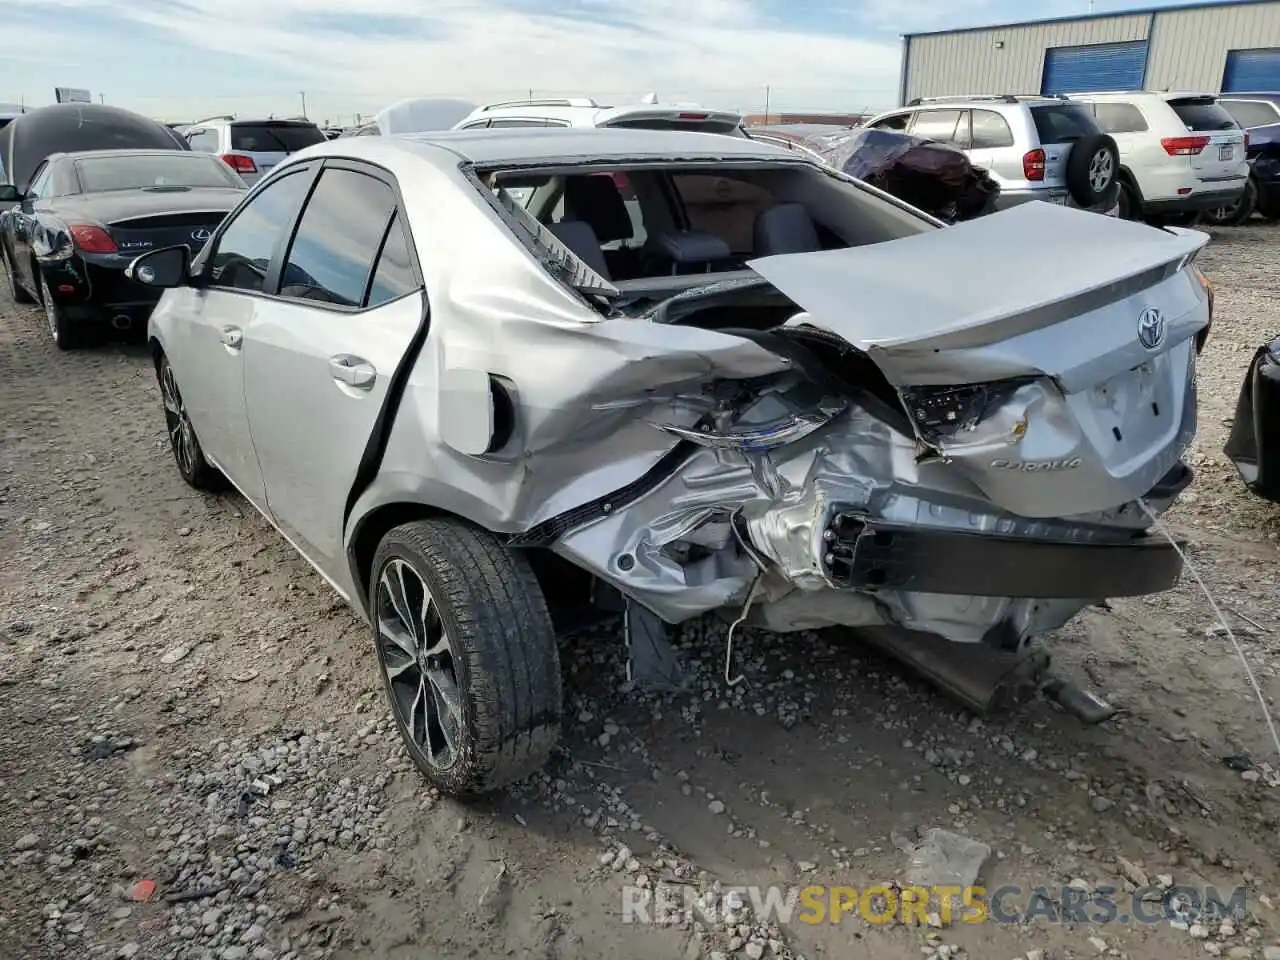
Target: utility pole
{"x": 102, "y": 98}
{"x": 767, "y": 91}
{"x": 304, "y": 104}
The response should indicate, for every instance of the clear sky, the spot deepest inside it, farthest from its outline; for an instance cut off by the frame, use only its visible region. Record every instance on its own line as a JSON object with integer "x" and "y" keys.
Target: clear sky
{"x": 178, "y": 59}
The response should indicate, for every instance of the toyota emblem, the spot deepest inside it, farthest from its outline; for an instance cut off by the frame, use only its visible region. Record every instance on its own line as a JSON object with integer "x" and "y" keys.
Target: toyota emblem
{"x": 1151, "y": 328}
{"x": 200, "y": 236}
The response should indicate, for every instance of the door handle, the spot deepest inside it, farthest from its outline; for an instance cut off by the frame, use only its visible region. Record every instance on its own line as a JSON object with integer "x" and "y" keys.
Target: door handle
{"x": 231, "y": 337}
{"x": 353, "y": 371}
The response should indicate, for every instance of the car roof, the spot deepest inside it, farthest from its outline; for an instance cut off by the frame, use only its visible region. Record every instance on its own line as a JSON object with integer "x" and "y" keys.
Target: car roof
{"x": 1130, "y": 94}
{"x": 583, "y": 144}
{"x": 1251, "y": 95}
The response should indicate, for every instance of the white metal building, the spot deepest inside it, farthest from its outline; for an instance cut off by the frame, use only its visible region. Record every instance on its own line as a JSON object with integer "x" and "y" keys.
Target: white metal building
{"x": 1233, "y": 46}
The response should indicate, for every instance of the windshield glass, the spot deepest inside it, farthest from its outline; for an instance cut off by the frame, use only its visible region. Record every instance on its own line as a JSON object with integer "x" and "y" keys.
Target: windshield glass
{"x": 98, "y": 174}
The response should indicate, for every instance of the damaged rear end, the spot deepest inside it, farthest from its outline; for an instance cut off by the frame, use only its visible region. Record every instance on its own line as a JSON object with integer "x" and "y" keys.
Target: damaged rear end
{"x": 956, "y": 440}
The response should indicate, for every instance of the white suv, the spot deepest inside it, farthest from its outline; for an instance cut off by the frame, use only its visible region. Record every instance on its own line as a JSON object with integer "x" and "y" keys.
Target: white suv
{"x": 1180, "y": 153}
{"x": 585, "y": 112}
{"x": 251, "y": 147}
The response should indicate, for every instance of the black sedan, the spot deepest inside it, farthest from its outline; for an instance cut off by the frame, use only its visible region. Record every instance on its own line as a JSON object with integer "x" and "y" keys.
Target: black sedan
{"x": 86, "y": 215}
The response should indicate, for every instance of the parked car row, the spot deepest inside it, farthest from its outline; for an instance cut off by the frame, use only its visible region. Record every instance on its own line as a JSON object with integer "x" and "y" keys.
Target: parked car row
{"x": 449, "y": 315}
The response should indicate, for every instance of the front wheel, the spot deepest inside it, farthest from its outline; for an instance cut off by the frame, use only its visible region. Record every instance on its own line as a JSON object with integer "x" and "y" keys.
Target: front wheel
{"x": 184, "y": 443}
{"x": 468, "y": 655}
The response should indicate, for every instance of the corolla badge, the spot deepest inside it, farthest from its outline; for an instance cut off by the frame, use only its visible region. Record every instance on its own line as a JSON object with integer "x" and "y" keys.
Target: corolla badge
{"x": 1151, "y": 328}
{"x": 200, "y": 236}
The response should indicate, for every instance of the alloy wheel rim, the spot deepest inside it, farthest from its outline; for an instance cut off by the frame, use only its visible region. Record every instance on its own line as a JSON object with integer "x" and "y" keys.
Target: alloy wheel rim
{"x": 181, "y": 433}
{"x": 417, "y": 659}
{"x": 1101, "y": 170}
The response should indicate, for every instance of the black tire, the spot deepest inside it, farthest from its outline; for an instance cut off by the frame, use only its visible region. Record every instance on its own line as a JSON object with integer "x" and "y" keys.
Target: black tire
{"x": 17, "y": 292}
{"x": 1238, "y": 212}
{"x": 1130, "y": 205}
{"x": 499, "y": 648}
{"x": 1092, "y": 169}
{"x": 67, "y": 334}
{"x": 187, "y": 452}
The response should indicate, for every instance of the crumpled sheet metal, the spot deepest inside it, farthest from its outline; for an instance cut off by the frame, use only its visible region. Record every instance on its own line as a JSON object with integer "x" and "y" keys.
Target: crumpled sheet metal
{"x": 931, "y": 176}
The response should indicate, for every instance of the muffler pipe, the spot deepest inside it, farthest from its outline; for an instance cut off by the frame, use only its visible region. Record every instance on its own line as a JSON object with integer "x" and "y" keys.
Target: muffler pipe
{"x": 122, "y": 321}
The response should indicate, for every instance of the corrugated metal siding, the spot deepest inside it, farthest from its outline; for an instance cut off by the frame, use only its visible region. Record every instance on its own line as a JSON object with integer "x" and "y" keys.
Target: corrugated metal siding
{"x": 1251, "y": 70}
{"x": 969, "y": 62}
{"x": 1189, "y": 47}
{"x": 1099, "y": 66}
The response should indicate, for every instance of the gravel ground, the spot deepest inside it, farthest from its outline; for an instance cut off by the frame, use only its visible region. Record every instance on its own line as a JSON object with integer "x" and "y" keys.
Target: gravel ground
{"x": 195, "y": 759}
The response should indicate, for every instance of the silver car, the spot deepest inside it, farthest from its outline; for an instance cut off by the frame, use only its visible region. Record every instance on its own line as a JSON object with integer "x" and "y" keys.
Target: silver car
{"x": 683, "y": 373}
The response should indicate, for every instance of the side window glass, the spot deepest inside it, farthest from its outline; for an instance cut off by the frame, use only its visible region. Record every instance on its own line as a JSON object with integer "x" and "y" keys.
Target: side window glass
{"x": 520, "y": 123}
{"x": 1119, "y": 118}
{"x": 393, "y": 276}
{"x": 205, "y": 141}
{"x": 990, "y": 130}
{"x": 476, "y": 124}
{"x": 39, "y": 183}
{"x": 898, "y": 122}
{"x": 338, "y": 237}
{"x": 243, "y": 255}
{"x": 939, "y": 125}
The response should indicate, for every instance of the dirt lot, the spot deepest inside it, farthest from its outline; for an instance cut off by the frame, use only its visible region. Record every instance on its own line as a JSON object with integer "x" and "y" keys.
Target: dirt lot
{"x": 183, "y": 701}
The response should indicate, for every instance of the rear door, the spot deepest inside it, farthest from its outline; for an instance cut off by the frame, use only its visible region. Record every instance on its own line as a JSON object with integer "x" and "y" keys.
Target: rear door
{"x": 320, "y": 357}
{"x": 1223, "y": 155}
{"x": 270, "y": 141}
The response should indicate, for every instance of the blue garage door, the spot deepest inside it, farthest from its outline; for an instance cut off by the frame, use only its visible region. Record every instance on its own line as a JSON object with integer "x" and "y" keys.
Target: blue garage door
{"x": 1098, "y": 66}
{"x": 1252, "y": 71}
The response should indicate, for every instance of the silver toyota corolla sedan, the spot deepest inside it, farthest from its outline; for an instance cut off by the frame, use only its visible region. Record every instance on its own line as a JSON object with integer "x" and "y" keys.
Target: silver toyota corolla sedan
{"x": 482, "y": 379}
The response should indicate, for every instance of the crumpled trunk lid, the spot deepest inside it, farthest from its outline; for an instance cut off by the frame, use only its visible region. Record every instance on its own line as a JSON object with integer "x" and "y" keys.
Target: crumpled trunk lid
{"x": 1073, "y": 335}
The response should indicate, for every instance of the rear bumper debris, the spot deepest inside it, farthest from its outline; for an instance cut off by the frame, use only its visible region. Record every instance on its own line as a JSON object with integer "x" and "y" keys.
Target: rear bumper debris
{"x": 870, "y": 554}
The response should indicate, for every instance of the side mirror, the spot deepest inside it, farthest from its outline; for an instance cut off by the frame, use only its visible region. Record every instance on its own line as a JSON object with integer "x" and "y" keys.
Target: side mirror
{"x": 166, "y": 267}
{"x": 9, "y": 193}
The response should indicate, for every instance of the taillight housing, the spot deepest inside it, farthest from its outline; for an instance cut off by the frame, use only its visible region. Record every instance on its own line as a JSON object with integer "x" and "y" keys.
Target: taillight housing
{"x": 1033, "y": 164}
{"x": 1203, "y": 336}
{"x": 239, "y": 162}
{"x": 1184, "y": 146}
{"x": 91, "y": 238}
{"x": 1246, "y": 138}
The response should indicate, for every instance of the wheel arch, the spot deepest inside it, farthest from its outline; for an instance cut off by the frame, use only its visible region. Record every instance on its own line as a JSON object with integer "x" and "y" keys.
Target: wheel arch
{"x": 1125, "y": 176}
{"x": 369, "y": 529}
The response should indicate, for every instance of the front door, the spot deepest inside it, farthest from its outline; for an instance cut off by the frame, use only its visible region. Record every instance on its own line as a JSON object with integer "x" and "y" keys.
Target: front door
{"x": 319, "y": 358}
{"x": 206, "y": 347}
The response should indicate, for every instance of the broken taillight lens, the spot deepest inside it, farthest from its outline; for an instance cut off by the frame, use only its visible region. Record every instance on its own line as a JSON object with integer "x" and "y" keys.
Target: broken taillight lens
{"x": 940, "y": 413}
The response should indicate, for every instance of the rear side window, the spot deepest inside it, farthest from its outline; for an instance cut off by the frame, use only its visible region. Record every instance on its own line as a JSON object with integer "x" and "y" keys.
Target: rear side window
{"x": 1063, "y": 122}
{"x": 243, "y": 255}
{"x": 1251, "y": 113}
{"x": 517, "y": 122}
{"x": 990, "y": 130}
{"x": 937, "y": 125}
{"x": 393, "y": 276}
{"x": 1203, "y": 113}
{"x": 338, "y": 237}
{"x": 274, "y": 137}
{"x": 1119, "y": 118}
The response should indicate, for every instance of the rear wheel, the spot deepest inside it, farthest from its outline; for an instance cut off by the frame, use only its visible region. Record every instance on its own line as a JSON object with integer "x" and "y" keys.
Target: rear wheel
{"x": 1130, "y": 208}
{"x": 187, "y": 453}
{"x": 1233, "y": 215}
{"x": 16, "y": 291}
{"x": 65, "y": 332}
{"x": 468, "y": 655}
